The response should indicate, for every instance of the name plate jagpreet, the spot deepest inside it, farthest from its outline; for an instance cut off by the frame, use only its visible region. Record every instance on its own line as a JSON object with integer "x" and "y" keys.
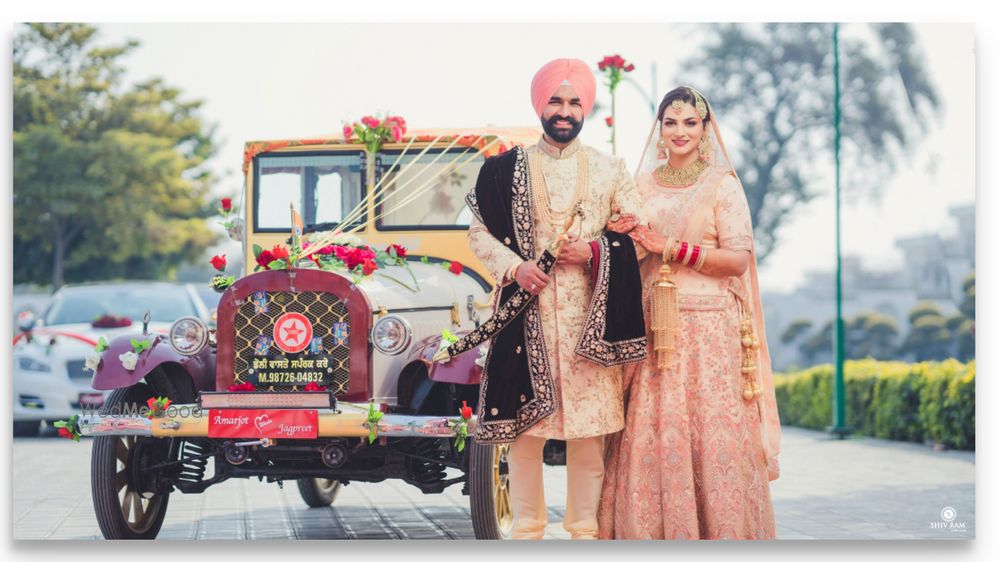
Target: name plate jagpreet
{"x": 291, "y": 371}
{"x": 276, "y": 424}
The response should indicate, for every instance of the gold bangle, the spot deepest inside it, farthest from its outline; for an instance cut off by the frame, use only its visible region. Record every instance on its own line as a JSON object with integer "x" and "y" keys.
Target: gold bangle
{"x": 668, "y": 246}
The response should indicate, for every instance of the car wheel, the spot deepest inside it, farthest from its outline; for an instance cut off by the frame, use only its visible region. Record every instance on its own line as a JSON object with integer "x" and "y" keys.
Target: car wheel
{"x": 26, "y": 428}
{"x": 318, "y": 492}
{"x": 128, "y": 500}
{"x": 489, "y": 491}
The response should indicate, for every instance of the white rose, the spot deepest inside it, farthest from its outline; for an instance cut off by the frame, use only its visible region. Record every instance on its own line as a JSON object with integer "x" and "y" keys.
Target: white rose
{"x": 347, "y": 239}
{"x": 129, "y": 359}
{"x": 483, "y": 352}
{"x": 91, "y": 362}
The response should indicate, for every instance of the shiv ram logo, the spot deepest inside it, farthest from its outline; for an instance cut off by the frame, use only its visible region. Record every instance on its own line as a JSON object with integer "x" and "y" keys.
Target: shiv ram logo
{"x": 292, "y": 332}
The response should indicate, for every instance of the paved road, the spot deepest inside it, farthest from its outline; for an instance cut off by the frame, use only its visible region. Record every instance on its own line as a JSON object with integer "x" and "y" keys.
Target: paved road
{"x": 854, "y": 489}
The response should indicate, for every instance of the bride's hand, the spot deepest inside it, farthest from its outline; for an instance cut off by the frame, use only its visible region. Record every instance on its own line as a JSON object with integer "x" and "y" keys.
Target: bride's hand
{"x": 625, "y": 222}
{"x": 648, "y": 238}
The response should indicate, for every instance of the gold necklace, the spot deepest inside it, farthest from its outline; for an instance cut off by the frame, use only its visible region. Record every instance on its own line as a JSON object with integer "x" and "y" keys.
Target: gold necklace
{"x": 555, "y": 218}
{"x": 667, "y": 175}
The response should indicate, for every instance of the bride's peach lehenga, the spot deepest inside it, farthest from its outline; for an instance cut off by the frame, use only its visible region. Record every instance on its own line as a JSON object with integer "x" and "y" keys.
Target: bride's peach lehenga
{"x": 695, "y": 458}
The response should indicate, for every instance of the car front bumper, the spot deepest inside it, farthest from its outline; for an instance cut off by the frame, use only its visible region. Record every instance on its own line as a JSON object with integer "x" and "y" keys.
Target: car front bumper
{"x": 347, "y": 420}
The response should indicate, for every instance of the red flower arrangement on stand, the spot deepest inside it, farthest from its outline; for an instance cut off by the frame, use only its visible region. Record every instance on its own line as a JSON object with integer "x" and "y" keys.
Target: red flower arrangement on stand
{"x": 614, "y": 68}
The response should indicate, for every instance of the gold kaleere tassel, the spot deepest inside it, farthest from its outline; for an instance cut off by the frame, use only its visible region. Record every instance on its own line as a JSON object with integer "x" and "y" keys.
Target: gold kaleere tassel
{"x": 751, "y": 344}
{"x": 666, "y": 319}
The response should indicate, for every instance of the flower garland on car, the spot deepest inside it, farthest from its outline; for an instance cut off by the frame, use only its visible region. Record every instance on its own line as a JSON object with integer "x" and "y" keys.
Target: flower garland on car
{"x": 461, "y": 426}
{"x": 69, "y": 429}
{"x": 374, "y": 132}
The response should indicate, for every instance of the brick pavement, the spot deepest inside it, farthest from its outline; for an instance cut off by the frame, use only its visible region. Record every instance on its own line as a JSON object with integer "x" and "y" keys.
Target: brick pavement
{"x": 859, "y": 488}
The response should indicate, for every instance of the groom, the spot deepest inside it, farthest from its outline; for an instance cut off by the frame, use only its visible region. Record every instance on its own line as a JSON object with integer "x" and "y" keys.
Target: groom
{"x": 555, "y": 371}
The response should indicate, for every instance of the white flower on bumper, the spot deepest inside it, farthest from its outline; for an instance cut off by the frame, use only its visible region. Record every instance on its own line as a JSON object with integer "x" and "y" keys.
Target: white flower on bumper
{"x": 129, "y": 359}
{"x": 483, "y": 352}
{"x": 91, "y": 362}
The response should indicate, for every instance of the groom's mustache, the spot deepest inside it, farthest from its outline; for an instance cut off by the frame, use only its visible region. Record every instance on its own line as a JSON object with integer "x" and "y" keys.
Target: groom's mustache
{"x": 556, "y": 118}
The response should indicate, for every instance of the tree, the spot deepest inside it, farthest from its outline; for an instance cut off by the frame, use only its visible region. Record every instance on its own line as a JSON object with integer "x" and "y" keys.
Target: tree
{"x": 773, "y": 84}
{"x": 109, "y": 181}
{"x": 819, "y": 346}
{"x": 795, "y": 330}
{"x": 966, "y": 331}
{"x": 870, "y": 334}
{"x": 929, "y": 338}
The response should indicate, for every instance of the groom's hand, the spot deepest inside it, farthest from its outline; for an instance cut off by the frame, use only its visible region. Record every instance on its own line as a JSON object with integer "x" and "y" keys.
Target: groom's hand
{"x": 621, "y": 222}
{"x": 530, "y": 277}
{"x": 575, "y": 252}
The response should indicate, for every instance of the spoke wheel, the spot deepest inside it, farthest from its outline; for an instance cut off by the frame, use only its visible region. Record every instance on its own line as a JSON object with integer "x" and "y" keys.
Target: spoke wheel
{"x": 489, "y": 491}
{"x": 126, "y": 502}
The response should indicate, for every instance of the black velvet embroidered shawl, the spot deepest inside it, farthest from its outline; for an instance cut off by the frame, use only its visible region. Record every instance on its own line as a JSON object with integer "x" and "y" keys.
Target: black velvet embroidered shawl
{"x": 517, "y": 389}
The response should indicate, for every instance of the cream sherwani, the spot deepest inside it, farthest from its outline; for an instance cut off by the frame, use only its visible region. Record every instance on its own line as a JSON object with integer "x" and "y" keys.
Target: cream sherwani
{"x": 589, "y": 396}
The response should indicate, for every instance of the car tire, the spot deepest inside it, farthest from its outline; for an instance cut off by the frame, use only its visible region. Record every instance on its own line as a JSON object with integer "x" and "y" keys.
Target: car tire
{"x": 319, "y": 492}
{"x": 26, "y": 428}
{"x": 116, "y": 467}
{"x": 489, "y": 491}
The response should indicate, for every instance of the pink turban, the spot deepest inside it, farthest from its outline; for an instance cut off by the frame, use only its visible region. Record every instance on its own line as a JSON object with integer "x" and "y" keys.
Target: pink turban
{"x": 548, "y": 79}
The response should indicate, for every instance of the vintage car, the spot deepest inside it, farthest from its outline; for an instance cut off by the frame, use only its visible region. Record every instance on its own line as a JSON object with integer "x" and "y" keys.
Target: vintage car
{"x": 244, "y": 398}
{"x": 50, "y": 378}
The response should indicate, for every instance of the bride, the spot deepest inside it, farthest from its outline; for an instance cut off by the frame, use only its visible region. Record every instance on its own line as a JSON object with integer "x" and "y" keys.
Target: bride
{"x": 701, "y": 434}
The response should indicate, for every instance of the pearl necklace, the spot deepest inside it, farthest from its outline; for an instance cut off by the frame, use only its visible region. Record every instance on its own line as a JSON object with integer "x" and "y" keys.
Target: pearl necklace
{"x": 676, "y": 177}
{"x": 556, "y": 218}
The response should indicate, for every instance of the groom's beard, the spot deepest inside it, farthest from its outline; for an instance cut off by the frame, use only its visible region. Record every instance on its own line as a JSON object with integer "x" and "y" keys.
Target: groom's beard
{"x": 562, "y": 135}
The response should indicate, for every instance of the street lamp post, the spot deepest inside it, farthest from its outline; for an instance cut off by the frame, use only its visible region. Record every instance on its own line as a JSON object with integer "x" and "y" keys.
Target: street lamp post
{"x": 839, "y": 427}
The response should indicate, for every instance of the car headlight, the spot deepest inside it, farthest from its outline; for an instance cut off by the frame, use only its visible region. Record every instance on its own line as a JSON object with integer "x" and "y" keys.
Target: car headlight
{"x": 391, "y": 335}
{"x": 31, "y": 364}
{"x": 188, "y": 335}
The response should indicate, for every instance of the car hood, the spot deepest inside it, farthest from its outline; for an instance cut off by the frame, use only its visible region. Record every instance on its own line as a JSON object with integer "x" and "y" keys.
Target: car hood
{"x": 435, "y": 286}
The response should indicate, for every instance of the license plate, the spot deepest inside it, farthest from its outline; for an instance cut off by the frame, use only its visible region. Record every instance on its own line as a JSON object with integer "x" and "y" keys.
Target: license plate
{"x": 291, "y": 371}
{"x": 92, "y": 400}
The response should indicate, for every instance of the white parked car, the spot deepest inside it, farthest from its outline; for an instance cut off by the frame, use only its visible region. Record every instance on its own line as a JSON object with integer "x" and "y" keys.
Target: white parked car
{"x": 49, "y": 375}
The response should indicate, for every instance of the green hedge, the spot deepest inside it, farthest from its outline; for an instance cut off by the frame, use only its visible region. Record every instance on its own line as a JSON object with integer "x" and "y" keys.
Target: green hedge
{"x": 923, "y": 402}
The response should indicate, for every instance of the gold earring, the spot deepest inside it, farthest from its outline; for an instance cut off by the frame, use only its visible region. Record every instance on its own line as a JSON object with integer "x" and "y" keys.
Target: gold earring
{"x": 704, "y": 148}
{"x": 661, "y": 153}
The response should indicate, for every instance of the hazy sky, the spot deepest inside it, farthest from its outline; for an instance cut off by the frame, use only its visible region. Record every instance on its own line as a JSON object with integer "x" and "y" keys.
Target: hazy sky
{"x": 263, "y": 81}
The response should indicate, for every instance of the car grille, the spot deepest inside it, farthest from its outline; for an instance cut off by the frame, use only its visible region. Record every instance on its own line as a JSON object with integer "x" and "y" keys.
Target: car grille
{"x": 76, "y": 371}
{"x": 322, "y": 309}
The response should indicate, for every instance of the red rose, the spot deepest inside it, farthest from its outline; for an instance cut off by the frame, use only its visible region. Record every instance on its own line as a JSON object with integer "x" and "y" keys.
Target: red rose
{"x": 455, "y": 268}
{"x": 397, "y": 133}
{"x": 63, "y": 432}
{"x": 466, "y": 411}
{"x": 370, "y": 122}
{"x": 601, "y": 66}
{"x": 279, "y": 252}
{"x": 227, "y": 204}
{"x": 348, "y": 131}
{"x": 264, "y": 258}
{"x": 630, "y": 67}
{"x": 400, "y": 251}
{"x": 325, "y": 250}
{"x": 368, "y": 267}
{"x": 609, "y": 120}
{"x": 219, "y": 262}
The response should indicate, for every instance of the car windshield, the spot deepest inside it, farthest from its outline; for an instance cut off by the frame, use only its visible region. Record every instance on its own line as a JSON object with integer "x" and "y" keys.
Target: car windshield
{"x": 427, "y": 191}
{"x": 323, "y": 188}
{"x": 165, "y": 303}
